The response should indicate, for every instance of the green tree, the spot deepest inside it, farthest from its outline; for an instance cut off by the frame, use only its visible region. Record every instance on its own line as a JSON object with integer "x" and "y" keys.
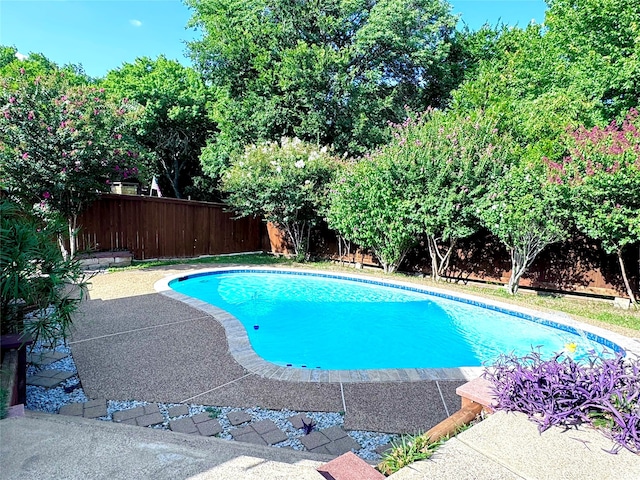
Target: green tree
{"x": 456, "y": 158}
{"x": 600, "y": 45}
{"x": 602, "y": 175}
{"x": 332, "y": 72}
{"x": 173, "y": 123}
{"x": 285, "y": 184}
{"x": 372, "y": 204}
{"x": 527, "y": 212}
{"x": 61, "y": 144}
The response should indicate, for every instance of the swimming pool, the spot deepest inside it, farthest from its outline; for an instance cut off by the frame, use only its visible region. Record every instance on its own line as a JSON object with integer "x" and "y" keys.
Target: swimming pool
{"x": 319, "y": 321}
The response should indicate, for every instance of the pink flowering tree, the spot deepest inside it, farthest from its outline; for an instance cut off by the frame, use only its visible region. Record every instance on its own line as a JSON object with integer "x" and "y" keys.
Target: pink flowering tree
{"x": 61, "y": 145}
{"x": 602, "y": 174}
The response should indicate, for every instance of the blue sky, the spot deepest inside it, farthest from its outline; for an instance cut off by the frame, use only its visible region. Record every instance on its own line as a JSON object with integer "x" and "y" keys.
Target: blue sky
{"x": 103, "y": 34}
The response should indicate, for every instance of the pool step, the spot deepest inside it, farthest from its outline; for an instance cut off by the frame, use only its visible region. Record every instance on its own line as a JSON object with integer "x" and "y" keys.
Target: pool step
{"x": 349, "y": 467}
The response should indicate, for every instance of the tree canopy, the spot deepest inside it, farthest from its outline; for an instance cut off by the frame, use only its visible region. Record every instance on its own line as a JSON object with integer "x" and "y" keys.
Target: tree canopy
{"x": 173, "y": 123}
{"x": 61, "y": 144}
{"x": 332, "y": 72}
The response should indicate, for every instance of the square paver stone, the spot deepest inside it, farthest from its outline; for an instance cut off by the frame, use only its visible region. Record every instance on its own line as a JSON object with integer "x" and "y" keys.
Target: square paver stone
{"x": 209, "y": 428}
{"x": 334, "y": 433}
{"x": 179, "y": 410}
{"x": 297, "y": 420}
{"x": 201, "y": 417}
{"x": 251, "y": 438}
{"x": 183, "y": 425}
{"x": 274, "y": 436}
{"x": 95, "y": 411}
{"x": 239, "y": 432}
{"x": 49, "y": 378}
{"x": 383, "y": 449}
{"x": 151, "y": 408}
{"x": 150, "y": 419}
{"x": 45, "y": 358}
{"x": 128, "y": 414}
{"x": 343, "y": 445}
{"x": 314, "y": 440}
{"x": 322, "y": 449}
{"x": 237, "y": 418}
{"x": 96, "y": 402}
{"x": 264, "y": 426}
{"x": 73, "y": 409}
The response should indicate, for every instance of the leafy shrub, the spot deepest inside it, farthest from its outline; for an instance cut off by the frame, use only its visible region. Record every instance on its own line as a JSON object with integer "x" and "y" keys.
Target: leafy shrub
{"x": 601, "y": 392}
{"x": 285, "y": 183}
{"x": 39, "y": 289}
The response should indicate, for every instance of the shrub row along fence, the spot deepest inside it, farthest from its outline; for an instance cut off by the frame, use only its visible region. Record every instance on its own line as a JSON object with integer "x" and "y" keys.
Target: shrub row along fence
{"x": 577, "y": 266}
{"x": 151, "y": 227}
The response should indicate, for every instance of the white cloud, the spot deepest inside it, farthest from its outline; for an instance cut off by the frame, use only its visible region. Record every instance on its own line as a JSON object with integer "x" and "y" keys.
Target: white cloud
{"x": 21, "y": 56}
{"x": 135, "y": 23}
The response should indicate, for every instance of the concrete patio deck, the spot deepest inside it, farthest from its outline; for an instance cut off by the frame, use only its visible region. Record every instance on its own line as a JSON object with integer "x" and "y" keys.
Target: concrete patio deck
{"x": 130, "y": 342}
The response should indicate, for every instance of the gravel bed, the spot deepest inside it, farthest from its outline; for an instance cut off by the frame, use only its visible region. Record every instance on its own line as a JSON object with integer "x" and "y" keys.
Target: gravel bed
{"x": 51, "y": 399}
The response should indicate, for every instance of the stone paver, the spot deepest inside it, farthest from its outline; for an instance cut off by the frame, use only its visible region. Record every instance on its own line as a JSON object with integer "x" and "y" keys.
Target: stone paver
{"x": 264, "y": 426}
{"x": 49, "y": 378}
{"x": 322, "y": 449}
{"x": 274, "y": 436}
{"x": 238, "y": 418}
{"x": 45, "y": 358}
{"x": 91, "y": 409}
{"x": 343, "y": 445}
{"x": 201, "y": 417}
{"x": 297, "y": 420}
{"x": 238, "y": 432}
{"x": 183, "y": 425}
{"x": 96, "y": 411}
{"x": 251, "y": 437}
{"x": 151, "y": 408}
{"x": 314, "y": 440}
{"x": 209, "y": 428}
{"x": 179, "y": 410}
{"x": 129, "y": 414}
{"x": 334, "y": 433}
{"x": 383, "y": 449}
{"x": 72, "y": 410}
{"x": 150, "y": 419}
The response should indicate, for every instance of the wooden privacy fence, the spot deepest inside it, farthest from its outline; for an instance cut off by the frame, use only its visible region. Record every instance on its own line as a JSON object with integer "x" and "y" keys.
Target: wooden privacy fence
{"x": 151, "y": 227}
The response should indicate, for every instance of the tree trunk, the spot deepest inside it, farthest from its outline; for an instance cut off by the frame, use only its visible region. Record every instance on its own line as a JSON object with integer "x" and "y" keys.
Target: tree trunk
{"x": 439, "y": 262}
{"x": 63, "y": 248}
{"x": 299, "y": 234}
{"x": 519, "y": 265}
{"x": 72, "y": 222}
{"x": 626, "y": 279}
{"x": 433, "y": 253}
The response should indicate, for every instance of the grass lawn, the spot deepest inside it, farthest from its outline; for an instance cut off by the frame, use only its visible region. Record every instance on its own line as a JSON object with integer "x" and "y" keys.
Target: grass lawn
{"x": 591, "y": 311}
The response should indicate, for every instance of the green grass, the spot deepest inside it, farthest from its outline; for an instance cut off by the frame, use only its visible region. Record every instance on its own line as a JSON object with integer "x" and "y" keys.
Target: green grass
{"x": 250, "y": 259}
{"x": 599, "y": 313}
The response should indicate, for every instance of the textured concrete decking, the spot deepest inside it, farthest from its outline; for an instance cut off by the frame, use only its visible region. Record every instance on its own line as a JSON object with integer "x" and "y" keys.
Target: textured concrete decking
{"x": 46, "y": 446}
{"x": 130, "y": 342}
{"x": 507, "y": 446}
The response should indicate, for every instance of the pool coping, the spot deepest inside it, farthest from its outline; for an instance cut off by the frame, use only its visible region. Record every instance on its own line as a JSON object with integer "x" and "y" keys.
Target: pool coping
{"x": 242, "y": 351}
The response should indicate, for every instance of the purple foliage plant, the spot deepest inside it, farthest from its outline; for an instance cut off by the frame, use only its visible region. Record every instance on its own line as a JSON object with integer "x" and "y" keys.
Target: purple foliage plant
{"x": 602, "y": 392}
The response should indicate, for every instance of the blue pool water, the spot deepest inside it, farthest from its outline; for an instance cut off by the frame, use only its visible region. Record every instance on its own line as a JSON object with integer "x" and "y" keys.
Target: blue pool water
{"x": 330, "y": 323}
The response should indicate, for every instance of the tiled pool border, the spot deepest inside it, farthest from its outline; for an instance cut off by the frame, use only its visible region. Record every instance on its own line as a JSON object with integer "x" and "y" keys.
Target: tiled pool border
{"x": 241, "y": 350}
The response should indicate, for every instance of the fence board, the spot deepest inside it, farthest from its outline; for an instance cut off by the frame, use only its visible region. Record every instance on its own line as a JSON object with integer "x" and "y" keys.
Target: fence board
{"x": 151, "y": 227}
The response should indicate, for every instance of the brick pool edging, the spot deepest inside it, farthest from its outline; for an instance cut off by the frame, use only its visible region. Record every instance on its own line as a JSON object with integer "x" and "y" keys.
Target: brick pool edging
{"x": 242, "y": 351}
